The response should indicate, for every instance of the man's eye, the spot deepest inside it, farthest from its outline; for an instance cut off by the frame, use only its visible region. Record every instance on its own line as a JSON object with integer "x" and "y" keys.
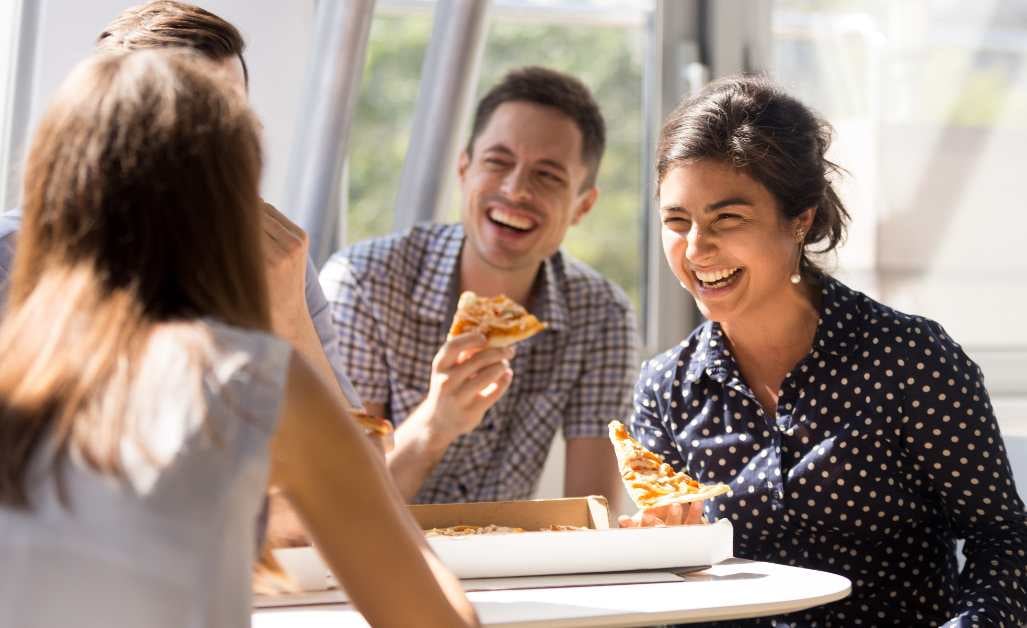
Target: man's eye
{"x": 723, "y": 217}
{"x": 676, "y": 222}
{"x": 550, "y": 177}
{"x": 492, "y": 161}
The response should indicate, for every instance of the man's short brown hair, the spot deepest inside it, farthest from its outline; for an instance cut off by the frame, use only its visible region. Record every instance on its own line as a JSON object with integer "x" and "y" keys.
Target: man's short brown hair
{"x": 549, "y": 88}
{"x": 169, "y": 24}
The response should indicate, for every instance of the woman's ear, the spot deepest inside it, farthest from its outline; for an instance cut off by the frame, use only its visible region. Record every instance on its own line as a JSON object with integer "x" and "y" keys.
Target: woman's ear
{"x": 804, "y": 221}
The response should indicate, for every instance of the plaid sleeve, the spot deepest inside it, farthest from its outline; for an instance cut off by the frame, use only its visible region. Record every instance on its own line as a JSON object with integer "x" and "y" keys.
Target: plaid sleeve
{"x": 360, "y": 345}
{"x": 604, "y": 391}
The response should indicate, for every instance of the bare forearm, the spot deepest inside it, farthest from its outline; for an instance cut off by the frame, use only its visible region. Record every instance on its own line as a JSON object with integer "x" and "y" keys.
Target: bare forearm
{"x": 389, "y": 542}
{"x": 415, "y": 455}
{"x": 339, "y": 488}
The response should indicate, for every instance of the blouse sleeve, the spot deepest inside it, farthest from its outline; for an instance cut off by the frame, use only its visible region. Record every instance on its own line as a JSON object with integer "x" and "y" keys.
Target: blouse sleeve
{"x": 646, "y": 422}
{"x": 950, "y": 429}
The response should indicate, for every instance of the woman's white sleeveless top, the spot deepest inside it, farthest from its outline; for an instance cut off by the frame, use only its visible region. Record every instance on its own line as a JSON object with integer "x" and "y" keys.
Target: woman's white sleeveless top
{"x": 172, "y": 544}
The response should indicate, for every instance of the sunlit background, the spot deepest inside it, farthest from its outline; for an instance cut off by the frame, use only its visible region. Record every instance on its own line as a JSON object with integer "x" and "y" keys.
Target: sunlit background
{"x": 928, "y": 99}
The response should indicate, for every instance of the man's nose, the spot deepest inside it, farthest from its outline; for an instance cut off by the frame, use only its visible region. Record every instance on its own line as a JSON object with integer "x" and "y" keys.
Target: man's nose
{"x": 516, "y": 184}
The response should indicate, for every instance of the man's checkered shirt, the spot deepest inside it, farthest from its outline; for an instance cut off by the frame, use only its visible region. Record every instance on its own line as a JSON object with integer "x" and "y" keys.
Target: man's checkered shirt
{"x": 392, "y": 300}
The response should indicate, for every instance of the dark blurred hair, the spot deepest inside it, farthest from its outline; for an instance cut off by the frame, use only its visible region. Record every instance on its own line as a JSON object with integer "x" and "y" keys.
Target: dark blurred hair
{"x": 750, "y": 124}
{"x": 170, "y": 24}
{"x": 554, "y": 89}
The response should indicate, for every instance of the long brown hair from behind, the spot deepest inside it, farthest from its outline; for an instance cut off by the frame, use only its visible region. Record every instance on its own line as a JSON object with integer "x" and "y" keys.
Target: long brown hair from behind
{"x": 140, "y": 196}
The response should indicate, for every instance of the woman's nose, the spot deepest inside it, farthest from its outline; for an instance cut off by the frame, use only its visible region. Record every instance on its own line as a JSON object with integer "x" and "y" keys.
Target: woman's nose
{"x": 700, "y": 246}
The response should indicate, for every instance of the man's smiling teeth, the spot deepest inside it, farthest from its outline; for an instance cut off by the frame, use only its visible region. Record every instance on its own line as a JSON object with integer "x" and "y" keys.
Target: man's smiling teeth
{"x": 511, "y": 219}
{"x": 716, "y": 275}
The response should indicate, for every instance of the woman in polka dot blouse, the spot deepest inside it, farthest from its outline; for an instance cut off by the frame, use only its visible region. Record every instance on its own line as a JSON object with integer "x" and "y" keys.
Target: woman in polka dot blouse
{"x": 856, "y": 439}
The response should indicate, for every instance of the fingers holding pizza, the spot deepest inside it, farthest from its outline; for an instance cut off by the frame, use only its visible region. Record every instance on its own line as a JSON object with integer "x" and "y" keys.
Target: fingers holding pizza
{"x": 675, "y": 514}
{"x": 471, "y": 371}
{"x": 467, "y": 378}
{"x": 663, "y": 495}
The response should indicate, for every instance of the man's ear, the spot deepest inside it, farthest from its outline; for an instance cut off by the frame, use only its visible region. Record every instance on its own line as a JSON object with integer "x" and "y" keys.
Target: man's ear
{"x": 462, "y": 164}
{"x": 586, "y": 200}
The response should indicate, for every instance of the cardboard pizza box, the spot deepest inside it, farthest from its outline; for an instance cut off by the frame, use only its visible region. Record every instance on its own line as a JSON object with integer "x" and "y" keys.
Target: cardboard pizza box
{"x": 597, "y": 549}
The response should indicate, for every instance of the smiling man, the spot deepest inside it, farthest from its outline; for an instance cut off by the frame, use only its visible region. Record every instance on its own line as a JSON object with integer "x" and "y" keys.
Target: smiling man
{"x": 476, "y": 424}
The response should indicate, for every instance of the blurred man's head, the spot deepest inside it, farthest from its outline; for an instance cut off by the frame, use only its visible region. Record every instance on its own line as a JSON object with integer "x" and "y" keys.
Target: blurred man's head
{"x": 170, "y": 24}
{"x": 529, "y": 169}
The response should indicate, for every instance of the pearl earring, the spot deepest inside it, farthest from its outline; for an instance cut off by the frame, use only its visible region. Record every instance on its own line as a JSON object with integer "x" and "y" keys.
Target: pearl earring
{"x": 796, "y": 277}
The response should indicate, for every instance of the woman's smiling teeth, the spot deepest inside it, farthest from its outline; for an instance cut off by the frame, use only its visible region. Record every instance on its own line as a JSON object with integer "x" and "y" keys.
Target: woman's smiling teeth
{"x": 717, "y": 278}
{"x": 510, "y": 219}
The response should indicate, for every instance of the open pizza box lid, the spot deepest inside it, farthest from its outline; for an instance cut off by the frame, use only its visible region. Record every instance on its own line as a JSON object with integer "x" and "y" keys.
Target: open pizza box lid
{"x": 599, "y": 548}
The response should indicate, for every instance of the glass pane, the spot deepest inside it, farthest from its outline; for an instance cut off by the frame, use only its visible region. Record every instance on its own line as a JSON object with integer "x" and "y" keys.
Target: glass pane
{"x": 8, "y": 42}
{"x": 381, "y": 126}
{"x": 929, "y": 100}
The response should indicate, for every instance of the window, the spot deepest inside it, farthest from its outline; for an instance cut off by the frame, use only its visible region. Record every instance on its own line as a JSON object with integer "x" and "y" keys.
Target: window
{"x": 381, "y": 125}
{"x": 8, "y": 58}
{"x": 929, "y": 101}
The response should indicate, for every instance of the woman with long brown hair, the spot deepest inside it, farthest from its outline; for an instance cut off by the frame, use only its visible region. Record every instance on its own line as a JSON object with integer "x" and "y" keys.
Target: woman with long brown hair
{"x": 143, "y": 405}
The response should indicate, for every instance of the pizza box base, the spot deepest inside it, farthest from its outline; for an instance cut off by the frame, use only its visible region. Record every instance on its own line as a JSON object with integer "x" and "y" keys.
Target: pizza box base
{"x": 597, "y": 549}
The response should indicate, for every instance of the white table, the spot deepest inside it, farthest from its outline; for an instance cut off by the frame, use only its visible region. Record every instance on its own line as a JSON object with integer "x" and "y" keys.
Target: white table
{"x": 734, "y": 589}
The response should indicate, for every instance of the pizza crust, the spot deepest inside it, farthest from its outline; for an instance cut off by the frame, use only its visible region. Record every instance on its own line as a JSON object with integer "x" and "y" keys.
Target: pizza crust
{"x": 651, "y": 481}
{"x": 501, "y": 320}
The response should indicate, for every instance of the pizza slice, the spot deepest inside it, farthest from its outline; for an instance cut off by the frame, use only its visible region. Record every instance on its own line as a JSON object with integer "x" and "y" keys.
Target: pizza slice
{"x": 650, "y": 481}
{"x": 500, "y": 319}
{"x": 373, "y": 424}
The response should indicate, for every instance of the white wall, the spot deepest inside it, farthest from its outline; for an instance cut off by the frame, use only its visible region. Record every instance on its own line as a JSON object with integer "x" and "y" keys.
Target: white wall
{"x": 278, "y": 36}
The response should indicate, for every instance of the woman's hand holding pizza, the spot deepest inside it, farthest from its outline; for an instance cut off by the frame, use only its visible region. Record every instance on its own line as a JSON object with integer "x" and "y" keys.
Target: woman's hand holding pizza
{"x": 669, "y": 515}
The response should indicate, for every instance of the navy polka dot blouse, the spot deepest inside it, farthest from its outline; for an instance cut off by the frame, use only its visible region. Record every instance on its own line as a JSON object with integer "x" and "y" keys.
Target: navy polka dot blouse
{"x": 884, "y": 451}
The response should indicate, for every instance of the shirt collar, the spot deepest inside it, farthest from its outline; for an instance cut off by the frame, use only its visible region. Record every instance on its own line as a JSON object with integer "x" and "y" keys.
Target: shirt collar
{"x": 436, "y": 290}
{"x": 837, "y": 333}
{"x": 548, "y": 303}
{"x": 710, "y": 355}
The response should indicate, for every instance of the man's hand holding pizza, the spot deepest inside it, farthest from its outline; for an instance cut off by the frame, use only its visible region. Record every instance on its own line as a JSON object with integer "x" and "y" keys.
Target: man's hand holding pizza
{"x": 467, "y": 378}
